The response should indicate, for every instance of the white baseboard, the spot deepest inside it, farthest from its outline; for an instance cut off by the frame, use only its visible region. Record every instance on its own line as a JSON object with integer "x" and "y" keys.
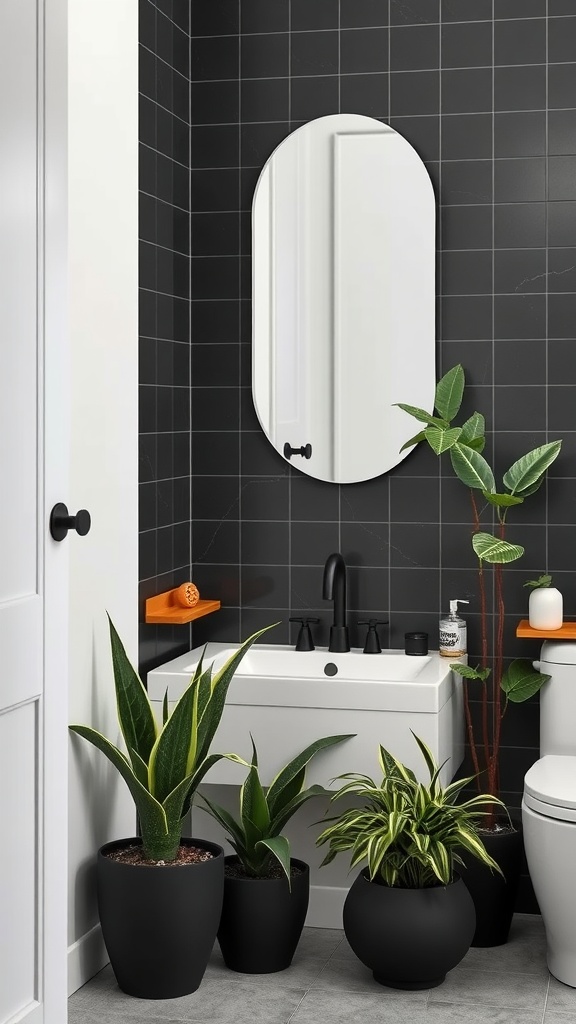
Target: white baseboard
{"x": 325, "y": 907}
{"x": 86, "y": 957}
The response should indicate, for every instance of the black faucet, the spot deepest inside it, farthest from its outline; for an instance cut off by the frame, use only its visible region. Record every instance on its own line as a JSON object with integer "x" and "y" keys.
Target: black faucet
{"x": 334, "y": 589}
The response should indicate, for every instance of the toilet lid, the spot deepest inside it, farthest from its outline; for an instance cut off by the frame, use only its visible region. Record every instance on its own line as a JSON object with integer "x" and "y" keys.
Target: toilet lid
{"x": 552, "y": 781}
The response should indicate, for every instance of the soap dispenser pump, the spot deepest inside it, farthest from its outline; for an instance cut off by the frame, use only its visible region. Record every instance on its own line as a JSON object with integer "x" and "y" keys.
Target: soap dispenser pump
{"x": 453, "y": 642}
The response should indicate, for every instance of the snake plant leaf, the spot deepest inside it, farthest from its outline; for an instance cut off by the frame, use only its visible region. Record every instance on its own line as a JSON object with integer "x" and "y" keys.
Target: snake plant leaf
{"x": 253, "y": 804}
{"x": 503, "y": 500}
{"x": 281, "y": 789}
{"x": 165, "y": 711}
{"x": 449, "y": 392}
{"x": 528, "y": 470}
{"x": 288, "y": 809}
{"x": 491, "y": 549}
{"x": 520, "y": 681}
{"x": 422, "y": 415}
{"x": 149, "y": 809}
{"x": 139, "y": 767}
{"x": 173, "y": 755}
{"x": 441, "y": 439}
{"x": 209, "y": 718}
{"x": 280, "y": 848}
{"x": 467, "y": 672}
{"x": 471, "y": 468}
{"x": 135, "y": 714}
{"x": 225, "y": 819}
{"x": 473, "y": 432}
{"x": 413, "y": 440}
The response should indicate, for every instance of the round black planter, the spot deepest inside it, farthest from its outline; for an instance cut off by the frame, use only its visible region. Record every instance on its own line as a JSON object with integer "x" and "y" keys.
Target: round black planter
{"x": 409, "y": 938}
{"x": 159, "y": 923}
{"x": 495, "y": 897}
{"x": 262, "y": 920}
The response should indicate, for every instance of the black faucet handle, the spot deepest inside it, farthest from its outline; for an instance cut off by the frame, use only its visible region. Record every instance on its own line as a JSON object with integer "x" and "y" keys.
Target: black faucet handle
{"x": 372, "y": 644}
{"x": 304, "y": 641}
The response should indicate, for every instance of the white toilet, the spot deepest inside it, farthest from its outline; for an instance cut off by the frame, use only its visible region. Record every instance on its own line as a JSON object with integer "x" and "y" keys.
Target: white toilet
{"x": 549, "y": 809}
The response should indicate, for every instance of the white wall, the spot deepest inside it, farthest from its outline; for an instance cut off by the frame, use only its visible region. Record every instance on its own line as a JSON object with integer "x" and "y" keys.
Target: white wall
{"x": 103, "y": 234}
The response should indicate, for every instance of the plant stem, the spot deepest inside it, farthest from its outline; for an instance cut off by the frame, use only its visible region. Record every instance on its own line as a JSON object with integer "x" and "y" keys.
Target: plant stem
{"x": 498, "y": 667}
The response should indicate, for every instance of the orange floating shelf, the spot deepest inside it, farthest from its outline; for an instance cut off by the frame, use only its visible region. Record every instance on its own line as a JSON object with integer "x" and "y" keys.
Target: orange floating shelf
{"x": 164, "y": 608}
{"x": 567, "y": 631}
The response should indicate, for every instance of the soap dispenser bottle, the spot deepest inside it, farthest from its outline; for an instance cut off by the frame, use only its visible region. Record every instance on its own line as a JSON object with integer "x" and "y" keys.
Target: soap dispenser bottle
{"x": 453, "y": 642}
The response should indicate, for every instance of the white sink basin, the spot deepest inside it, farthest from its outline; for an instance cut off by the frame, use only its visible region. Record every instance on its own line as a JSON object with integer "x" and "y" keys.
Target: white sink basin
{"x": 287, "y": 699}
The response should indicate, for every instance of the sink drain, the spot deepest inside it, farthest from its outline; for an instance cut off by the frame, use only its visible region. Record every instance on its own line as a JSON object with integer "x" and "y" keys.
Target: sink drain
{"x": 330, "y": 669}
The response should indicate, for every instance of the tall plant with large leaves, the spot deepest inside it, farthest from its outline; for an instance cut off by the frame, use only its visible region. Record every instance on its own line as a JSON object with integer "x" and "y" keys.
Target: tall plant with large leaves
{"x": 464, "y": 445}
{"x": 165, "y": 765}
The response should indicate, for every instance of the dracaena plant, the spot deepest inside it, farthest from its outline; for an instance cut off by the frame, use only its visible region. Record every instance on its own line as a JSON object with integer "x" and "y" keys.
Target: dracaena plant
{"x": 464, "y": 446}
{"x": 411, "y": 835}
{"x": 165, "y": 764}
{"x": 256, "y": 834}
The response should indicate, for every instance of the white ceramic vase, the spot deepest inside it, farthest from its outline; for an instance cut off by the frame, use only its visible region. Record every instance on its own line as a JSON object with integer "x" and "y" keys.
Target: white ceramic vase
{"x": 545, "y": 608}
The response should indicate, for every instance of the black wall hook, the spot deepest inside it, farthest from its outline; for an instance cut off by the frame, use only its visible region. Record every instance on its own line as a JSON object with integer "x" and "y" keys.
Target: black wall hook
{"x": 305, "y": 451}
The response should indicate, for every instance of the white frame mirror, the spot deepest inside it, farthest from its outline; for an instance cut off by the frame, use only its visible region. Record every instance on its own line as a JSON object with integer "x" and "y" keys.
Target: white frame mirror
{"x": 343, "y": 296}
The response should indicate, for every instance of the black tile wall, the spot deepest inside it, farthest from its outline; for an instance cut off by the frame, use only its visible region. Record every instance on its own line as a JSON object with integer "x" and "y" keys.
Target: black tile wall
{"x": 486, "y": 93}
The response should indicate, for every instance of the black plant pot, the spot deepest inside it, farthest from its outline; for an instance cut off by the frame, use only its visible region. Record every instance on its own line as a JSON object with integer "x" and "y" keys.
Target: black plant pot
{"x": 409, "y": 938}
{"x": 262, "y": 920}
{"x": 495, "y": 897}
{"x": 159, "y": 923}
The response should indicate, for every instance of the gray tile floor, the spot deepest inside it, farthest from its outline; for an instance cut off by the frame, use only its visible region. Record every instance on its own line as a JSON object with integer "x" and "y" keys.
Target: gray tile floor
{"x": 328, "y": 985}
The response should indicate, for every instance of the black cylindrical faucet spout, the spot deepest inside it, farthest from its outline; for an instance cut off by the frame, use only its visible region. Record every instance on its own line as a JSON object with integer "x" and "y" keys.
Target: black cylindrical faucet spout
{"x": 334, "y": 589}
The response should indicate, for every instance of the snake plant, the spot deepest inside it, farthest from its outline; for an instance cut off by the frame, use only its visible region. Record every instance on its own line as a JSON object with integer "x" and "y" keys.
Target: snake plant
{"x": 165, "y": 765}
{"x": 256, "y": 835}
{"x": 409, "y": 833}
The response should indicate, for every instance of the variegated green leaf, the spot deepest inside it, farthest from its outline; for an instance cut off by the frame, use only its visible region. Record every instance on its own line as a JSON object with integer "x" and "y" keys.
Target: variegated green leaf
{"x": 503, "y": 500}
{"x": 173, "y": 756}
{"x": 528, "y": 470}
{"x": 449, "y": 392}
{"x": 413, "y": 440}
{"x": 471, "y": 468}
{"x": 135, "y": 713}
{"x": 282, "y": 787}
{"x": 280, "y": 848}
{"x": 422, "y": 415}
{"x": 491, "y": 549}
{"x": 441, "y": 439}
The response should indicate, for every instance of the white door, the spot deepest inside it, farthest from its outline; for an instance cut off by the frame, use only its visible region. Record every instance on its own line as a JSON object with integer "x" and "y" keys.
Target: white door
{"x": 33, "y": 568}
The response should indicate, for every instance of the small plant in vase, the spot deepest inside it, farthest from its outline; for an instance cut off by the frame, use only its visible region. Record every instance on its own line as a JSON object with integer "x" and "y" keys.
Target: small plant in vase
{"x": 265, "y": 890}
{"x": 408, "y": 916}
{"x": 545, "y": 605}
{"x": 498, "y": 685}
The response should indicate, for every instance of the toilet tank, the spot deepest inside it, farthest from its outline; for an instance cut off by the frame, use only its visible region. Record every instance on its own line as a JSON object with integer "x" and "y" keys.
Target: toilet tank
{"x": 558, "y": 698}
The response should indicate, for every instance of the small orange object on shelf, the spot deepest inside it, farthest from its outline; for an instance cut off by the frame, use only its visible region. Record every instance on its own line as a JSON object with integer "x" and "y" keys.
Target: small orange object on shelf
{"x": 567, "y": 631}
{"x": 167, "y": 607}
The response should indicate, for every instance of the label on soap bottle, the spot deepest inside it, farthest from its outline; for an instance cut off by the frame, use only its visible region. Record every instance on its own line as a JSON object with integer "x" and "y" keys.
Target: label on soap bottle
{"x": 452, "y": 639}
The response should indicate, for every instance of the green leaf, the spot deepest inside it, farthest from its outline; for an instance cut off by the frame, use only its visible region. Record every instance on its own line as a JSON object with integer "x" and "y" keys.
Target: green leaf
{"x": 289, "y": 809}
{"x": 209, "y": 718}
{"x": 135, "y": 713}
{"x": 228, "y": 822}
{"x": 491, "y": 549}
{"x": 471, "y": 468}
{"x": 280, "y": 848}
{"x": 542, "y": 581}
{"x": 422, "y": 415}
{"x": 253, "y": 805}
{"x": 471, "y": 673}
{"x": 173, "y": 756}
{"x": 473, "y": 430}
{"x": 520, "y": 681}
{"x": 449, "y": 392}
{"x": 441, "y": 439}
{"x": 502, "y": 500}
{"x": 528, "y": 470}
{"x": 477, "y": 444}
{"x": 413, "y": 440}
{"x": 165, "y": 708}
{"x": 281, "y": 788}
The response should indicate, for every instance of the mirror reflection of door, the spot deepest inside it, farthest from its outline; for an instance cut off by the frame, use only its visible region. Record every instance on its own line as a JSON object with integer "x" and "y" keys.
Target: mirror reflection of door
{"x": 343, "y": 295}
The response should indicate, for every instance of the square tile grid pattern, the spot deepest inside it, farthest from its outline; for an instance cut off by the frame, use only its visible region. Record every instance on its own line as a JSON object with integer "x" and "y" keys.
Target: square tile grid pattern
{"x": 486, "y": 93}
{"x": 506, "y": 985}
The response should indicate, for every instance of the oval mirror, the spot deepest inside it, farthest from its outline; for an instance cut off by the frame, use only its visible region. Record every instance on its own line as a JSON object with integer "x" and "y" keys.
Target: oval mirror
{"x": 343, "y": 234}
